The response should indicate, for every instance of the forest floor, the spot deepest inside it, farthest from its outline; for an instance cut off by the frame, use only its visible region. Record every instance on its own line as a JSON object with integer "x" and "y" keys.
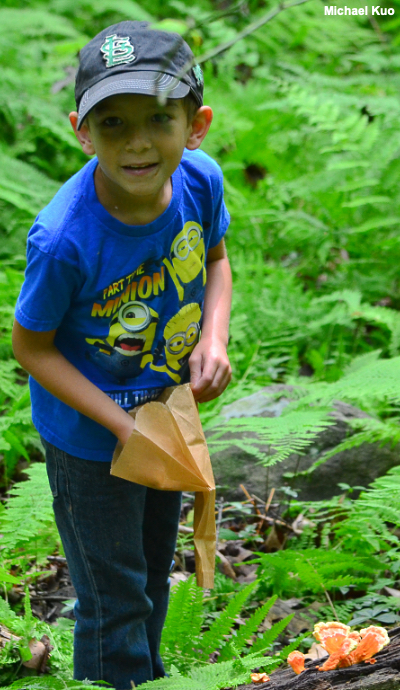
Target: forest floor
{"x": 251, "y": 526}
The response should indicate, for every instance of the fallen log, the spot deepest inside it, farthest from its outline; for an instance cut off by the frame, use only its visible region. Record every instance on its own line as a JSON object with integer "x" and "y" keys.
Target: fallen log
{"x": 383, "y": 675}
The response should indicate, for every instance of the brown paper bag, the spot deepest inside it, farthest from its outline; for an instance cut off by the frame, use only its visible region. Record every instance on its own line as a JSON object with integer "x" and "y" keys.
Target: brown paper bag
{"x": 167, "y": 450}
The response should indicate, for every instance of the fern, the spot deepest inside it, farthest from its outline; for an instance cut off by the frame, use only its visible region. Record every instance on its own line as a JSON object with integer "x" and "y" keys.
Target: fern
{"x": 273, "y": 439}
{"x": 377, "y": 381}
{"x": 366, "y": 527}
{"x": 269, "y": 636}
{"x": 184, "y": 647}
{"x": 26, "y": 628}
{"x": 27, "y": 526}
{"x": 214, "y": 638}
{"x": 291, "y": 573}
{"x": 241, "y": 636}
{"x": 215, "y": 676}
{"x": 23, "y": 187}
{"x": 291, "y": 433}
{"x": 191, "y": 672}
{"x": 182, "y": 643}
{"x": 183, "y": 624}
{"x": 284, "y": 653}
{"x": 52, "y": 683}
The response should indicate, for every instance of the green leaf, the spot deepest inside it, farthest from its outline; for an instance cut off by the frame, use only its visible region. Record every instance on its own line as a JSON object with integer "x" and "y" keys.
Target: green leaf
{"x": 362, "y": 200}
{"x": 375, "y": 224}
{"x": 15, "y": 443}
{"x": 6, "y": 577}
{"x": 172, "y": 25}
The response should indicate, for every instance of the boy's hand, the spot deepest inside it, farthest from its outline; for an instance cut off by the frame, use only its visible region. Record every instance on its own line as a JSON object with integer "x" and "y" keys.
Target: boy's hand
{"x": 210, "y": 370}
{"x": 126, "y": 430}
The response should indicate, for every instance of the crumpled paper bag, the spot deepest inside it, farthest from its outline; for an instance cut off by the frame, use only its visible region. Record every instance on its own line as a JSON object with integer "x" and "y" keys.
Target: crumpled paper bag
{"x": 167, "y": 450}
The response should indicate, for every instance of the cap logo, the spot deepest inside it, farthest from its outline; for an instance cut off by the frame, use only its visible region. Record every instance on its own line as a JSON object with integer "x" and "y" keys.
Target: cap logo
{"x": 117, "y": 50}
{"x": 198, "y": 73}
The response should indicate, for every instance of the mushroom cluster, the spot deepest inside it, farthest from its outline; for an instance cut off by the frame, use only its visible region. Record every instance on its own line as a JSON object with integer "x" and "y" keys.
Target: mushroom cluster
{"x": 344, "y": 647}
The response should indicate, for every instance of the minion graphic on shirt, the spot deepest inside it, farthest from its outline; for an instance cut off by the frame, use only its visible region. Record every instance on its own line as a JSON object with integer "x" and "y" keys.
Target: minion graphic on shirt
{"x": 127, "y": 348}
{"x": 181, "y": 334}
{"x": 186, "y": 263}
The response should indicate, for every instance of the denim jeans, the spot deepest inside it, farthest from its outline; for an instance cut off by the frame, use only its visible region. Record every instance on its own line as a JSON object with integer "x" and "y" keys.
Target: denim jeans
{"x": 119, "y": 541}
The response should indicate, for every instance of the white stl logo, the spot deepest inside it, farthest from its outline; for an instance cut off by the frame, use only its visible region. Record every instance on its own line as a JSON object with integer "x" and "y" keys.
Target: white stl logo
{"x": 117, "y": 50}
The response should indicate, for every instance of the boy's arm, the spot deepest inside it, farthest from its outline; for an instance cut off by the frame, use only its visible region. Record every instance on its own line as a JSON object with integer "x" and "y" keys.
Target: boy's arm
{"x": 210, "y": 371}
{"x": 36, "y": 352}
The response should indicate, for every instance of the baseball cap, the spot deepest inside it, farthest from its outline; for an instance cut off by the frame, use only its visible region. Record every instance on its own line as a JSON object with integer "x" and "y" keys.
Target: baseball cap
{"x": 131, "y": 57}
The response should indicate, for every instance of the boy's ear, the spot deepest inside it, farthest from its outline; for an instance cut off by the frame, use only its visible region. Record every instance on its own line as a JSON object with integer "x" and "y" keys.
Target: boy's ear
{"x": 82, "y": 134}
{"x": 199, "y": 127}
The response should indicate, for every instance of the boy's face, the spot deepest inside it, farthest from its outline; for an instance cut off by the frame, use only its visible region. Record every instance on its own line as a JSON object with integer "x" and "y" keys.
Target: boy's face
{"x": 139, "y": 144}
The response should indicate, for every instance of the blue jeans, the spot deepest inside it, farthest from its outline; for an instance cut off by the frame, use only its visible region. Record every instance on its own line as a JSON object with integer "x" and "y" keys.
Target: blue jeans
{"x": 119, "y": 541}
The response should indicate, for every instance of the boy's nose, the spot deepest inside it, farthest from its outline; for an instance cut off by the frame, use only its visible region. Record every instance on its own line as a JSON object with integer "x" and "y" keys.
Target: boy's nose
{"x": 138, "y": 141}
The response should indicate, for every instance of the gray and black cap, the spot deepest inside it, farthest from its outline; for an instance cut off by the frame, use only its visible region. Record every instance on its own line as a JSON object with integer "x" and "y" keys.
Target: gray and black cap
{"x": 131, "y": 57}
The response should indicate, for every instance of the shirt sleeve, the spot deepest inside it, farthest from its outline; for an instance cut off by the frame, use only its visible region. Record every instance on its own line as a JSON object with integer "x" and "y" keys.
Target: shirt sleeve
{"x": 221, "y": 218}
{"x": 47, "y": 291}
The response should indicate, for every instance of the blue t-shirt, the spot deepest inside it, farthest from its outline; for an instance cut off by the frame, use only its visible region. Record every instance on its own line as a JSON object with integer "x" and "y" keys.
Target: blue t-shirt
{"x": 126, "y": 300}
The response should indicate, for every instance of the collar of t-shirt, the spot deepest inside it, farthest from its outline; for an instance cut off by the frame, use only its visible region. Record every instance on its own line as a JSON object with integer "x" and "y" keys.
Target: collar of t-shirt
{"x": 116, "y": 225}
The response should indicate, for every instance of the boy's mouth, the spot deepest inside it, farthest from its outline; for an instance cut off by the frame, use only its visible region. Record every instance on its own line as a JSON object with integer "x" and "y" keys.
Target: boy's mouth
{"x": 140, "y": 169}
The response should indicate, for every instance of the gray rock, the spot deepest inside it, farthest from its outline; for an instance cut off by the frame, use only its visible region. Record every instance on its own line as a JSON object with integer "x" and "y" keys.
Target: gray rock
{"x": 356, "y": 467}
{"x": 260, "y": 404}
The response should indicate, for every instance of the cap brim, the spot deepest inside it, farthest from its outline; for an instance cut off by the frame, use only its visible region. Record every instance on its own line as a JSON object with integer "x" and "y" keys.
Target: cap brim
{"x": 144, "y": 82}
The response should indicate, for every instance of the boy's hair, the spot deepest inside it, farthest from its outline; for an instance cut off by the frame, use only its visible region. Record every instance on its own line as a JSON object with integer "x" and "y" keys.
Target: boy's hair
{"x": 131, "y": 57}
{"x": 191, "y": 106}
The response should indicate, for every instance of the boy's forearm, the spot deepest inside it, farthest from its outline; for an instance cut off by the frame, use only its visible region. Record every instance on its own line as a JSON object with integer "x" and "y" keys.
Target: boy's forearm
{"x": 48, "y": 366}
{"x": 217, "y": 303}
{"x": 210, "y": 370}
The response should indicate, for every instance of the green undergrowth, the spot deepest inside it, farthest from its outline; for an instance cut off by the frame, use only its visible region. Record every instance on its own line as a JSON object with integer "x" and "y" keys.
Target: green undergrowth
{"x": 309, "y": 144}
{"x": 306, "y": 113}
{"x": 344, "y": 557}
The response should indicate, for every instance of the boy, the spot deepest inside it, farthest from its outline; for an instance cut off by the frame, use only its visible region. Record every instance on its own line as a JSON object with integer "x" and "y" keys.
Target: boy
{"x": 110, "y": 312}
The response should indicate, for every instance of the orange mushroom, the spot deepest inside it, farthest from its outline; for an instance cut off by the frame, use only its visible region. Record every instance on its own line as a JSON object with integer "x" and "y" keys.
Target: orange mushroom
{"x": 345, "y": 648}
{"x": 373, "y": 639}
{"x": 296, "y": 661}
{"x": 337, "y": 657}
{"x": 260, "y": 678}
{"x": 331, "y": 635}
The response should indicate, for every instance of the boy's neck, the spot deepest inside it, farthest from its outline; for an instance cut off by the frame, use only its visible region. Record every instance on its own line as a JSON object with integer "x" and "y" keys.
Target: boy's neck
{"x": 130, "y": 210}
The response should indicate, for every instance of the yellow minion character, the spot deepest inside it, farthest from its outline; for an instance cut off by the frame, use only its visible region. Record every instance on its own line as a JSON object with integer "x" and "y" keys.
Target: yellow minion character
{"x": 181, "y": 334}
{"x": 127, "y": 348}
{"x": 187, "y": 257}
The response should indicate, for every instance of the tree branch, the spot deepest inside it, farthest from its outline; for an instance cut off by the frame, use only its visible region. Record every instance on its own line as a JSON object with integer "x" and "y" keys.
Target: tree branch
{"x": 162, "y": 98}
{"x": 247, "y": 31}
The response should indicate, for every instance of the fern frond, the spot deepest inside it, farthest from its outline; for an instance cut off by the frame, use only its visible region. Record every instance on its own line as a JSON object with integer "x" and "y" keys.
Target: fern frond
{"x": 273, "y": 439}
{"x": 290, "y": 433}
{"x": 314, "y": 570}
{"x": 53, "y": 683}
{"x": 27, "y": 525}
{"x": 227, "y": 674}
{"x": 214, "y": 638}
{"x": 24, "y": 187}
{"x": 368, "y": 430}
{"x": 284, "y": 653}
{"x": 367, "y": 521}
{"x": 7, "y": 615}
{"x": 364, "y": 360}
{"x": 241, "y": 636}
{"x": 183, "y": 623}
{"x": 269, "y": 636}
{"x": 128, "y": 9}
{"x": 378, "y": 381}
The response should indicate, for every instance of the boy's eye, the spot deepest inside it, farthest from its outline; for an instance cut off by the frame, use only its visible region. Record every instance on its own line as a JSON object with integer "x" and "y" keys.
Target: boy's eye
{"x": 112, "y": 121}
{"x": 161, "y": 118}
